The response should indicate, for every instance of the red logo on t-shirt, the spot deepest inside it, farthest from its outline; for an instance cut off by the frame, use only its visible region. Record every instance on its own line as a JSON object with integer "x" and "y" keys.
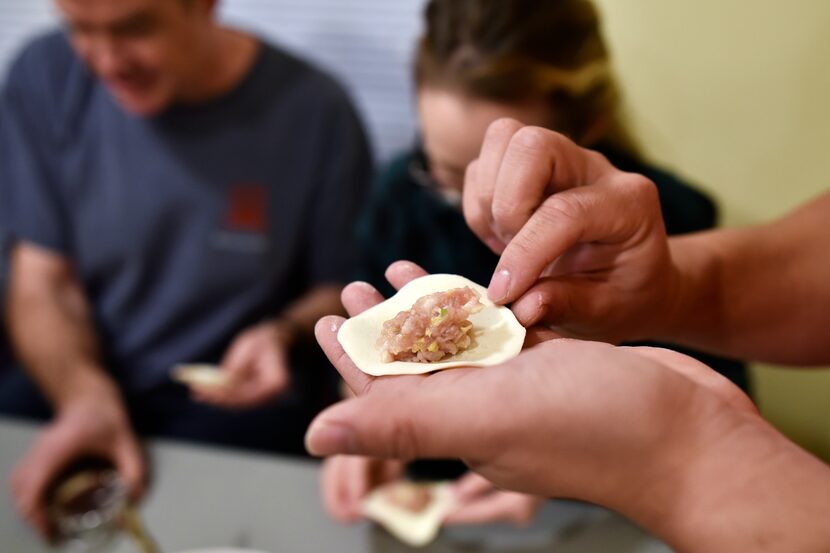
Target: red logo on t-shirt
{"x": 247, "y": 208}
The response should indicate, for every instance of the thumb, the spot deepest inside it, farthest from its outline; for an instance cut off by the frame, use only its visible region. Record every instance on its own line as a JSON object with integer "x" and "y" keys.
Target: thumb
{"x": 35, "y": 473}
{"x": 129, "y": 461}
{"x": 408, "y": 422}
{"x": 556, "y": 301}
{"x": 237, "y": 359}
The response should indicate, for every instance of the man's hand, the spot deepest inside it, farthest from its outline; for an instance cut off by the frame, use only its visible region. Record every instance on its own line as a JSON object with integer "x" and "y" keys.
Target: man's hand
{"x": 627, "y": 400}
{"x": 93, "y": 426}
{"x": 583, "y": 246}
{"x": 648, "y": 432}
{"x": 257, "y": 368}
{"x": 346, "y": 480}
{"x": 480, "y": 502}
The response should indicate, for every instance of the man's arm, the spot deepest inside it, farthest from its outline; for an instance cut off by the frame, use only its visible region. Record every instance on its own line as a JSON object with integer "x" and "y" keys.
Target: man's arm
{"x": 302, "y": 314}
{"x": 760, "y": 292}
{"x": 51, "y": 329}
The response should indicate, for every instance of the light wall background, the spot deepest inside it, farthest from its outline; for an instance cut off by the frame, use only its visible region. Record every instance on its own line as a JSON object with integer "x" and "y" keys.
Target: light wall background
{"x": 733, "y": 95}
{"x": 736, "y": 96}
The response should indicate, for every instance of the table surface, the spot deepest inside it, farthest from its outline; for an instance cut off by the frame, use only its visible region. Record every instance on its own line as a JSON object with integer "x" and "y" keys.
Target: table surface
{"x": 203, "y": 497}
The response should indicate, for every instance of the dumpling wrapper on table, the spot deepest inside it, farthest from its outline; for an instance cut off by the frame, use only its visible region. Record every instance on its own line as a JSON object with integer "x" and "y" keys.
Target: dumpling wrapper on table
{"x": 498, "y": 335}
{"x": 415, "y": 529}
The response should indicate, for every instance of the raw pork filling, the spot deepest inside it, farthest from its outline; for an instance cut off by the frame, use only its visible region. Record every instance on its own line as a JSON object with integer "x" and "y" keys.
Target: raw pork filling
{"x": 438, "y": 325}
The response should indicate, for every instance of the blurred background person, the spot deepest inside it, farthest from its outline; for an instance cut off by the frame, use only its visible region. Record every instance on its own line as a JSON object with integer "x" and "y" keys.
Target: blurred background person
{"x": 5, "y": 354}
{"x": 545, "y": 63}
{"x": 176, "y": 191}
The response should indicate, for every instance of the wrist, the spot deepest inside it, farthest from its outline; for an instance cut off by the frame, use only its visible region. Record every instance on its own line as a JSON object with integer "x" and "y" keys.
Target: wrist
{"x": 87, "y": 387}
{"x": 286, "y": 330}
{"x": 692, "y": 292}
{"x": 731, "y": 482}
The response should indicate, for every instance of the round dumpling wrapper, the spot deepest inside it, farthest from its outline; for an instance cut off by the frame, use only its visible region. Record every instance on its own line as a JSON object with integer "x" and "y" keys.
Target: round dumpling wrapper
{"x": 498, "y": 335}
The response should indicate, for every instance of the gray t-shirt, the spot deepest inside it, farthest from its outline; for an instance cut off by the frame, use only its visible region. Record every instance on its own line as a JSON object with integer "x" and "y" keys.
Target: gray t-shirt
{"x": 186, "y": 227}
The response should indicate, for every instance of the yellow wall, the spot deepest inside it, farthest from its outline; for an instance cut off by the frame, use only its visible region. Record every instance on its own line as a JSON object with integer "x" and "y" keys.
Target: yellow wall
{"x": 736, "y": 96}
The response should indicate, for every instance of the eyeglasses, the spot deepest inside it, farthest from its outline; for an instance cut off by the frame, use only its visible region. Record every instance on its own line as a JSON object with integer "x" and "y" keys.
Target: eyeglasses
{"x": 419, "y": 169}
{"x": 420, "y": 172}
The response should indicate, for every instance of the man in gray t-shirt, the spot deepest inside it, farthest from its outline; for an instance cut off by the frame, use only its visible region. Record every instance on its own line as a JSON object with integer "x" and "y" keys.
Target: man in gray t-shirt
{"x": 177, "y": 192}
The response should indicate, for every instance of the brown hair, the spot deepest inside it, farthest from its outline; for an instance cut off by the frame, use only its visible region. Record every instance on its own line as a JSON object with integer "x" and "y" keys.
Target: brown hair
{"x": 522, "y": 50}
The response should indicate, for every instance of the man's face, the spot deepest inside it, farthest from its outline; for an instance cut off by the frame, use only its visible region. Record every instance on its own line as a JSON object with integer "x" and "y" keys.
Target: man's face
{"x": 144, "y": 51}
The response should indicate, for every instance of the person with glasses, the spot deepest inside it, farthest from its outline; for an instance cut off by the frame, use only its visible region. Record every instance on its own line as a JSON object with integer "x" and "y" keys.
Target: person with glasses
{"x": 541, "y": 62}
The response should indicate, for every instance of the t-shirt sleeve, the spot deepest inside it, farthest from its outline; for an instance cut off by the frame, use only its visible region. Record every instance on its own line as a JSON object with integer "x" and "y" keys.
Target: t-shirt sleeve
{"x": 4, "y": 275}
{"x": 30, "y": 205}
{"x": 346, "y": 175}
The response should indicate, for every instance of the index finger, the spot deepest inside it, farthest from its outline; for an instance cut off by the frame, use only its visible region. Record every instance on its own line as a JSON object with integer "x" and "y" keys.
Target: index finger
{"x": 537, "y": 163}
{"x": 480, "y": 180}
{"x": 358, "y": 297}
{"x": 400, "y": 273}
{"x": 610, "y": 213}
{"x": 326, "y": 333}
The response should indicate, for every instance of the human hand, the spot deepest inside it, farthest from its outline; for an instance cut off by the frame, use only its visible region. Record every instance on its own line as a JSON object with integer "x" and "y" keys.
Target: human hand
{"x": 480, "y": 502}
{"x": 583, "y": 246}
{"x": 346, "y": 480}
{"x": 257, "y": 367}
{"x": 589, "y": 420}
{"x": 585, "y": 420}
{"x": 94, "y": 426}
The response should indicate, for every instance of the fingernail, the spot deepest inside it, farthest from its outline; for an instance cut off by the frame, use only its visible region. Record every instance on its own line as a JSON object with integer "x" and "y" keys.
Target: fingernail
{"x": 324, "y": 438}
{"x": 499, "y": 286}
{"x": 541, "y": 309}
{"x": 333, "y": 327}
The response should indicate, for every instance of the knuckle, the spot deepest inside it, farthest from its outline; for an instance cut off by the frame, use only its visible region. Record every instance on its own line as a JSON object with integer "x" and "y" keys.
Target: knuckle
{"x": 640, "y": 190}
{"x": 520, "y": 249}
{"x": 342, "y": 360}
{"x": 506, "y": 211}
{"x": 532, "y": 139}
{"x": 555, "y": 213}
{"x": 474, "y": 216}
{"x": 559, "y": 207}
{"x": 592, "y": 157}
{"x": 365, "y": 388}
{"x": 405, "y": 444}
{"x": 500, "y": 127}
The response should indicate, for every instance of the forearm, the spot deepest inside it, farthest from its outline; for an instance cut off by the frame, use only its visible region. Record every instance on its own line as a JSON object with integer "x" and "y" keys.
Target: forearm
{"x": 52, "y": 334}
{"x": 760, "y": 293}
{"x": 304, "y": 313}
